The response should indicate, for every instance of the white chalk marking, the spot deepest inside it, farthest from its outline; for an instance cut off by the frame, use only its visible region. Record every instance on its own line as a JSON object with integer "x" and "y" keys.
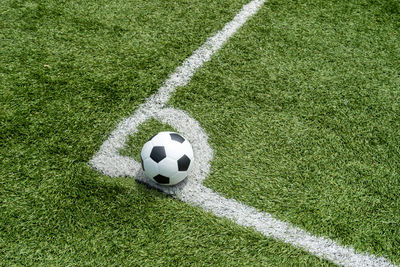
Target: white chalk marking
{"x": 109, "y": 161}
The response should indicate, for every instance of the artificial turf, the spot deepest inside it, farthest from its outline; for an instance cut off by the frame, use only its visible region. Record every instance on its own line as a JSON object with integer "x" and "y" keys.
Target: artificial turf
{"x": 301, "y": 108}
{"x": 69, "y": 71}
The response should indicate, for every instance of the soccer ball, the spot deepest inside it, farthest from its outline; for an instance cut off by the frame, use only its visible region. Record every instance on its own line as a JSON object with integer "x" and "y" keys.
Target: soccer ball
{"x": 167, "y": 158}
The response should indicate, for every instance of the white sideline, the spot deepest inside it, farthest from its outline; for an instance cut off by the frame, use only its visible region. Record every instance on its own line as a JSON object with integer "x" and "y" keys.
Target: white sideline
{"x": 110, "y": 162}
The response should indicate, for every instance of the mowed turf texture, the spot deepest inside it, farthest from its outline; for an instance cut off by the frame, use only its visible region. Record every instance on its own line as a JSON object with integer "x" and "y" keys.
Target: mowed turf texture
{"x": 301, "y": 107}
{"x": 69, "y": 72}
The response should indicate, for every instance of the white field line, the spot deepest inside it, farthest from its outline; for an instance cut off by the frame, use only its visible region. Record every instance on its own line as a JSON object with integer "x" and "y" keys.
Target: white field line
{"x": 110, "y": 162}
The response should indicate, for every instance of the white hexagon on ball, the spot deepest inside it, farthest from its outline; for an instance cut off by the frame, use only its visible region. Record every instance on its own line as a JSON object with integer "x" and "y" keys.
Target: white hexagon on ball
{"x": 167, "y": 158}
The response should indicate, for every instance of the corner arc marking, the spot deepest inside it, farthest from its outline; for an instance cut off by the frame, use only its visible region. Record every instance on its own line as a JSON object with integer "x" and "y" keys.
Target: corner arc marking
{"x": 108, "y": 160}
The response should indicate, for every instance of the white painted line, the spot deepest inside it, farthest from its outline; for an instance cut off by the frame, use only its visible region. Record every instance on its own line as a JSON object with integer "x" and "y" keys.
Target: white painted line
{"x": 264, "y": 223}
{"x": 110, "y": 162}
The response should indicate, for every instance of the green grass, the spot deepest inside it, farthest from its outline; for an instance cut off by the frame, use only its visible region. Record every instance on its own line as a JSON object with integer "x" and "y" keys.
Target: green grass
{"x": 69, "y": 72}
{"x": 301, "y": 106}
{"x": 306, "y": 116}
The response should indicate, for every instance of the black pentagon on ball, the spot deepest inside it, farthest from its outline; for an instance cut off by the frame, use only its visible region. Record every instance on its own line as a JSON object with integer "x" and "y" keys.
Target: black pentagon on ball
{"x": 177, "y": 137}
{"x": 161, "y": 179}
{"x": 183, "y": 163}
{"x": 158, "y": 153}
